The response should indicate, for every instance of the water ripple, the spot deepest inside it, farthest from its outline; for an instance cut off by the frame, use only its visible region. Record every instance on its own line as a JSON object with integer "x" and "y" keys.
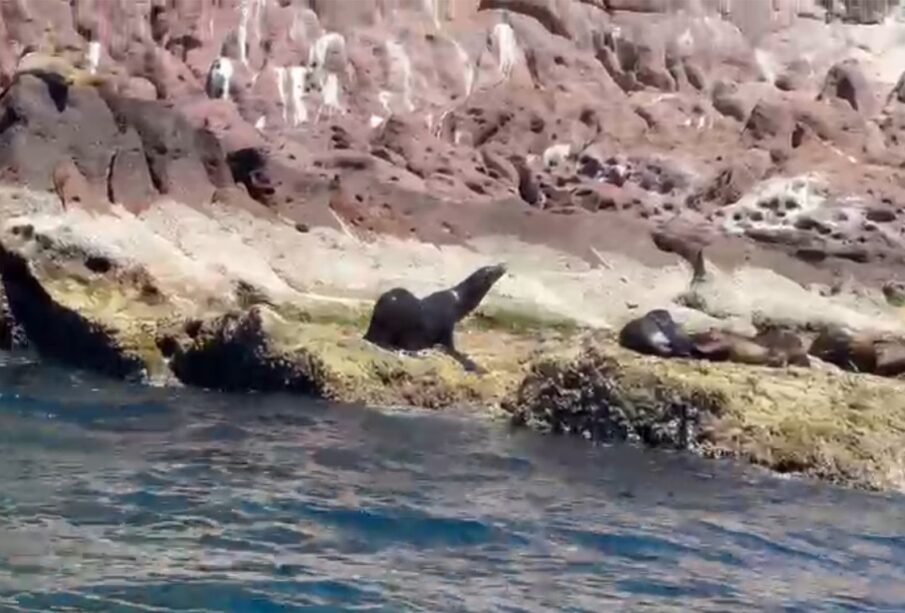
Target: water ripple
{"x": 120, "y": 498}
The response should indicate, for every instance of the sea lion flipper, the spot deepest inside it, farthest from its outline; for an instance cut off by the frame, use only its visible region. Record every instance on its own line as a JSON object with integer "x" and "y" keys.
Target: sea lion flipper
{"x": 467, "y": 363}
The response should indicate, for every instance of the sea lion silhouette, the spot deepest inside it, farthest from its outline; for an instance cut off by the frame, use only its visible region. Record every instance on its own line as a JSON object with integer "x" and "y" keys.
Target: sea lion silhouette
{"x": 402, "y": 321}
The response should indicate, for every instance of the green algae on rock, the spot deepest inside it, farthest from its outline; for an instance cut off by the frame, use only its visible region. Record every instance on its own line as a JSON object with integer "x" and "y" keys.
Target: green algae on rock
{"x": 118, "y": 294}
{"x": 264, "y": 349}
{"x": 839, "y": 427}
{"x": 87, "y": 324}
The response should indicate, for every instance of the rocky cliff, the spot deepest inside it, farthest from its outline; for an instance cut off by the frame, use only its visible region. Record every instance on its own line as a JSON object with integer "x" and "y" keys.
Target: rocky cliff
{"x": 212, "y": 191}
{"x": 767, "y": 129}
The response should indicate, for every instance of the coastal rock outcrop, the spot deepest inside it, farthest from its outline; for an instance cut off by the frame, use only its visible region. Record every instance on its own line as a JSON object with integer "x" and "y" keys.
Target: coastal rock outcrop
{"x": 212, "y": 193}
{"x": 605, "y": 393}
{"x": 134, "y": 296}
{"x": 449, "y": 119}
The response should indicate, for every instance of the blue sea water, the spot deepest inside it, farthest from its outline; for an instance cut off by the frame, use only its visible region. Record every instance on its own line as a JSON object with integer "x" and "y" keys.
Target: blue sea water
{"x": 121, "y": 498}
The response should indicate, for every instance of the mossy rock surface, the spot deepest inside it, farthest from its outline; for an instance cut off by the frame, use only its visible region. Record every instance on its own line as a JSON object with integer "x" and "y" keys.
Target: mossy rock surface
{"x": 840, "y": 427}
{"x": 330, "y": 359}
{"x": 543, "y": 371}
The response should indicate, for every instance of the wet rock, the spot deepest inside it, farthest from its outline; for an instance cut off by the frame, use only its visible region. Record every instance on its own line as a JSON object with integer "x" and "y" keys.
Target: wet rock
{"x": 604, "y": 393}
{"x": 57, "y": 331}
{"x": 235, "y": 352}
{"x": 585, "y": 398}
{"x": 12, "y": 334}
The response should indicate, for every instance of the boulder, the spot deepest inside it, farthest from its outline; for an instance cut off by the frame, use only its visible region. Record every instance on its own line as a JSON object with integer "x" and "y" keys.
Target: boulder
{"x": 606, "y": 393}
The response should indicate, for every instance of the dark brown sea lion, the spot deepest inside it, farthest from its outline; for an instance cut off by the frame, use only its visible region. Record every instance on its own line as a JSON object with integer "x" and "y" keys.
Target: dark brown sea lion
{"x": 785, "y": 345}
{"x": 861, "y": 352}
{"x": 724, "y": 346}
{"x": 773, "y": 347}
{"x": 852, "y": 352}
{"x": 401, "y": 321}
{"x": 655, "y": 333}
{"x": 890, "y": 358}
{"x": 528, "y": 189}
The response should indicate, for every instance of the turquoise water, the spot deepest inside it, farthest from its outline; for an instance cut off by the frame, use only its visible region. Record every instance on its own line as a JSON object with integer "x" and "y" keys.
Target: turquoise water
{"x": 121, "y": 498}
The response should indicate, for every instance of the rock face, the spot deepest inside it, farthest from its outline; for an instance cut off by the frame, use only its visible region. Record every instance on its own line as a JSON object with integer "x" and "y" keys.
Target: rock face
{"x": 449, "y": 119}
{"x": 199, "y": 303}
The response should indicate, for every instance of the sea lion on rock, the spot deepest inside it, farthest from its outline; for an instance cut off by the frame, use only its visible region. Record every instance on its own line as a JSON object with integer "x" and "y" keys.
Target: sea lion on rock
{"x": 890, "y": 358}
{"x": 785, "y": 345}
{"x": 401, "y": 321}
{"x": 860, "y": 352}
{"x": 775, "y": 348}
{"x": 852, "y": 352}
{"x": 655, "y": 333}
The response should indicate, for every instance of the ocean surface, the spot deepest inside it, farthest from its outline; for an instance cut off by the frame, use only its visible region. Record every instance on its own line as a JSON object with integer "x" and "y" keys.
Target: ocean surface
{"x": 121, "y": 498}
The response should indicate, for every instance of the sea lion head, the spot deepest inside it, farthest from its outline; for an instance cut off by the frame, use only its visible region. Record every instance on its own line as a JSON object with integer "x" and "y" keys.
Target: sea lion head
{"x": 484, "y": 278}
{"x": 678, "y": 342}
{"x": 662, "y": 318}
{"x": 472, "y": 290}
{"x": 493, "y": 273}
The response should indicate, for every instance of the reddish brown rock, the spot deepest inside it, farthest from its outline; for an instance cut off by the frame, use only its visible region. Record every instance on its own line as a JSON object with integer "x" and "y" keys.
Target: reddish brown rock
{"x": 72, "y": 188}
{"x": 563, "y": 122}
{"x": 40, "y": 131}
{"x": 728, "y": 100}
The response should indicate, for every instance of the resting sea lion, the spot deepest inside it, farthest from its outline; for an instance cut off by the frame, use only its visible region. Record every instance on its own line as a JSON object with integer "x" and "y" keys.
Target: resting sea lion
{"x": 890, "y": 358}
{"x": 785, "y": 345}
{"x": 771, "y": 347}
{"x": 655, "y": 333}
{"x": 723, "y": 346}
{"x": 857, "y": 353}
{"x": 400, "y": 320}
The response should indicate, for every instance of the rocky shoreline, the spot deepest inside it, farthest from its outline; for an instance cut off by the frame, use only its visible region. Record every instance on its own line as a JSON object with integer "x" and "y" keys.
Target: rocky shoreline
{"x": 546, "y": 370}
{"x": 214, "y": 194}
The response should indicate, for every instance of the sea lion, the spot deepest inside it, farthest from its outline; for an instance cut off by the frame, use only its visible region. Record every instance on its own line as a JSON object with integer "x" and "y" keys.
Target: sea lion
{"x": 771, "y": 347}
{"x": 528, "y": 189}
{"x": 861, "y": 352}
{"x": 690, "y": 249}
{"x": 655, "y": 333}
{"x": 219, "y": 77}
{"x": 890, "y": 358}
{"x": 724, "y": 346}
{"x": 401, "y": 321}
{"x": 852, "y": 352}
{"x": 785, "y": 345}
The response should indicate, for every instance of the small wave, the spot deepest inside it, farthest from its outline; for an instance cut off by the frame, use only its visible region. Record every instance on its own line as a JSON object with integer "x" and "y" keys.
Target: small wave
{"x": 125, "y": 500}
